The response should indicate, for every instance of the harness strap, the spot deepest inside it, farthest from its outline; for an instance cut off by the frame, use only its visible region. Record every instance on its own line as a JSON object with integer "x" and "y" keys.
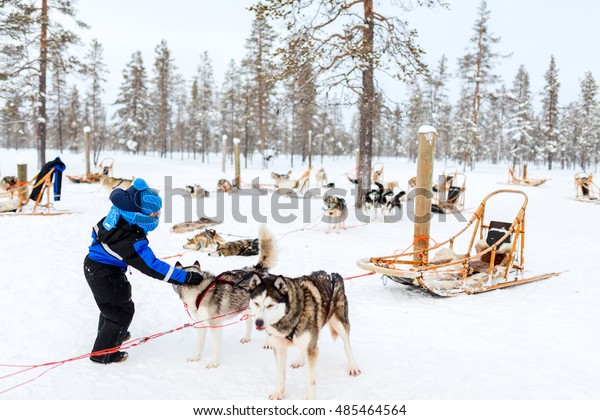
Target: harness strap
{"x": 290, "y": 336}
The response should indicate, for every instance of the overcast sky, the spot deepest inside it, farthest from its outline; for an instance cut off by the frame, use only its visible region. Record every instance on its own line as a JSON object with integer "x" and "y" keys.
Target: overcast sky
{"x": 530, "y": 30}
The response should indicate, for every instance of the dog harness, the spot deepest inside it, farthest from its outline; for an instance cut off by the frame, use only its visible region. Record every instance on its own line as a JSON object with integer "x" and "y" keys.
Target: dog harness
{"x": 290, "y": 336}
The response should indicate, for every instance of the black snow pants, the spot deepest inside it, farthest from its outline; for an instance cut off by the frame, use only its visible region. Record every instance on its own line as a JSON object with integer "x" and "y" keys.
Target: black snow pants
{"x": 112, "y": 292}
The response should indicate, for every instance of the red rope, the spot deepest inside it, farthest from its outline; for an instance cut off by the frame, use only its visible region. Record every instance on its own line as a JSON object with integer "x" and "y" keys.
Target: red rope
{"x": 128, "y": 344}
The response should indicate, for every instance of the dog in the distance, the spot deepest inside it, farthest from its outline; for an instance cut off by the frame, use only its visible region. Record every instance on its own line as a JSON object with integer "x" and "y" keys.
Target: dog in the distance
{"x": 223, "y": 185}
{"x": 196, "y": 190}
{"x": 336, "y": 212}
{"x": 242, "y": 248}
{"x": 293, "y": 311}
{"x": 321, "y": 177}
{"x": 220, "y": 299}
{"x": 281, "y": 177}
{"x": 205, "y": 241}
{"x": 375, "y": 197}
{"x": 110, "y": 183}
{"x": 392, "y": 202}
{"x": 8, "y": 182}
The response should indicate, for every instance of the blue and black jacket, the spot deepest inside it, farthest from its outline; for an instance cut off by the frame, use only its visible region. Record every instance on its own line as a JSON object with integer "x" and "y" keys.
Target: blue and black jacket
{"x": 126, "y": 245}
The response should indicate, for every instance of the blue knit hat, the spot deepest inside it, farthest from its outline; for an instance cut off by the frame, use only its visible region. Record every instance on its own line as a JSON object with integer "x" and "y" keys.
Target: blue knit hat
{"x": 139, "y": 198}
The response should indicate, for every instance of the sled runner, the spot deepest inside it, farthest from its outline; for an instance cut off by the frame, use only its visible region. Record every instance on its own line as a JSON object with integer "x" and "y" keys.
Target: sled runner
{"x": 450, "y": 194}
{"x": 493, "y": 258}
{"x": 586, "y": 190}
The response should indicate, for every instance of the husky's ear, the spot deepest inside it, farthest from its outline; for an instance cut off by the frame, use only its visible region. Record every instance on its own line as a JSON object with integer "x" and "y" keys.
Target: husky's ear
{"x": 255, "y": 280}
{"x": 196, "y": 264}
{"x": 178, "y": 265}
{"x": 280, "y": 284}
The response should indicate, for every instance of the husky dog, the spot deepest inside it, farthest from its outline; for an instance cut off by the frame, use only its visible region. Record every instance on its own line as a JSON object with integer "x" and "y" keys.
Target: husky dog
{"x": 281, "y": 177}
{"x": 110, "y": 183}
{"x": 204, "y": 241}
{"x": 321, "y": 177}
{"x": 218, "y": 299}
{"x": 412, "y": 183}
{"x": 390, "y": 186}
{"x": 223, "y": 185}
{"x": 201, "y": 223}
{"x": 374, "y": 198}
{"x": 391, "y": 202}
{"x": 196, "y": 190}
{"x": 378, "y": 176}
{"x": 243, "y": 248}
{"x": 293, "y": 311}
{"x": 8, "y": 182}
{"x": 336, "y": 211}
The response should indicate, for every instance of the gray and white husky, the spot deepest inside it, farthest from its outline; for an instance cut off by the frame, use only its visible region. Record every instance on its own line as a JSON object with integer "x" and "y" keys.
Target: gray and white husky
{"x": 293, "y": 311}
{"x": 220, "y": 299}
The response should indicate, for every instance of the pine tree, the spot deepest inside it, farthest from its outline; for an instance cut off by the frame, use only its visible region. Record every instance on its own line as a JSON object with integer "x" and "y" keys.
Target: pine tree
{"x": 587, "y": 146}
{"x": 476, "y": 69}
{"x": 133, "y": 106}
{"x": 27, "y": 27}
{"x": 347, "y": 42}
{"x": 260, "y": 64}
{"x": 438, "y": 106}
{"x": 13, "y": 124}
{"x": 95, "y": 70}
{"x": 164, "y": 70}
{"x": 496, "y": 121}
{"x": 463, "y": 129}
{"x": 521, "y": 122}
{"x": 206, "y": 104}
{"x": 416, "y": 115}
{"x": 550, "y": 116}
{"x": 231, "y": 115}
{"x": 73, "y": 120}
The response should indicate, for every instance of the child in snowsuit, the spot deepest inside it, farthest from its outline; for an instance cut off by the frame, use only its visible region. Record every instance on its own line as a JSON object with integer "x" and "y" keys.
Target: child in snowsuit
{"x": 119, "y": 240}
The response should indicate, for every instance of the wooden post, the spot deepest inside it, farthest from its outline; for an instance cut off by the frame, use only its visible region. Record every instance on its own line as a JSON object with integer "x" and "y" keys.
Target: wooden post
{"x": 86, "y": 133}
{"x": 224, "y": 151}
{"x": 238, "y": 178}
{"x": 22, "y": 177}
{"x": 427, "y": 137}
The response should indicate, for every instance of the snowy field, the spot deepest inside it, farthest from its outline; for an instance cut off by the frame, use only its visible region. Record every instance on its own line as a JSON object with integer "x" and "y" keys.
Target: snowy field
{"x": 538, "y": 341}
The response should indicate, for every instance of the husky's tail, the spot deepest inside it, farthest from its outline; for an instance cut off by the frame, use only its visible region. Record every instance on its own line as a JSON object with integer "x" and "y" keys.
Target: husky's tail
{"x": 267, "y": 253}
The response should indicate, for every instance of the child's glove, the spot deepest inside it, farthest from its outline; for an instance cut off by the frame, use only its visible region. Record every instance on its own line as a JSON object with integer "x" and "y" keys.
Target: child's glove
{"x": 193, "y": 278}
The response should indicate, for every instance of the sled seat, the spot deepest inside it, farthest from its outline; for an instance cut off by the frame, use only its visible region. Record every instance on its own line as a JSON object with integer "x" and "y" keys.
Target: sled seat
{"x": 495, "y": 231}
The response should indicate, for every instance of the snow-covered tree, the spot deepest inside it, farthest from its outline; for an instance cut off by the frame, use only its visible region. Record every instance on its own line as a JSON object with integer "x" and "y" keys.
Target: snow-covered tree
{"x": 587, "y": 146}
{"x": 416, "y": 115}
{"x": 260, "y": 64}
{"x": 521, "y": 120}
{"x": 96, "y": 70}
{"x": 550, "y": 117}
{"x": 133, "y": 106}
{"x": 476, "y": 69}
{"x": 162, "y": 97}
{"x": 438, "y": 106}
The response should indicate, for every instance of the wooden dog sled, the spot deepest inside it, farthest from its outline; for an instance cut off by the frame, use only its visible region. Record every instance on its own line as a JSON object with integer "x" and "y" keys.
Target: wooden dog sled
{"x": 515, "y": 179}
{"x": 19, "y": 196}
{"x": 493, "y": 258}
{"x": 586, "y": 190}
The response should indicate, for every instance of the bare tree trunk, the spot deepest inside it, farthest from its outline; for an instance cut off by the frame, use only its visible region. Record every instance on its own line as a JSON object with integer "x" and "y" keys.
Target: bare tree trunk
{"x": 366, "y": 108}
{"x": 41, "y": 120}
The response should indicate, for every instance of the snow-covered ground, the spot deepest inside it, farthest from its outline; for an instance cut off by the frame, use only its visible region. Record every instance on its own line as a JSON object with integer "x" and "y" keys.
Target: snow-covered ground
{"x": 536, "y": 341}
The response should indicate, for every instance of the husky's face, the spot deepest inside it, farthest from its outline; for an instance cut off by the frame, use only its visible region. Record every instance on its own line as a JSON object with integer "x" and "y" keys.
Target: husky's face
{"x": 268, "y": 300}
